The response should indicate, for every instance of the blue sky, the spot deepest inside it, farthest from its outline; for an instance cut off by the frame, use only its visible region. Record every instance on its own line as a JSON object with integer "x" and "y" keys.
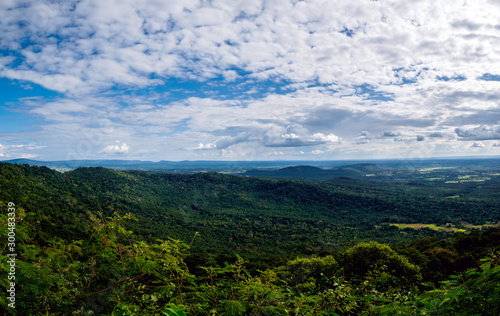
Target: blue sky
{"x": 249, "y": 80}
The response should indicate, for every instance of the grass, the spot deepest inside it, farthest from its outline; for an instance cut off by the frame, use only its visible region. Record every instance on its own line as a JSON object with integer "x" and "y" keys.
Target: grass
{"x": 434, "y": 169}
{"x": 430, "y": 226}
{"x": 468, "y": 180}
{"x": 470, "y": 226}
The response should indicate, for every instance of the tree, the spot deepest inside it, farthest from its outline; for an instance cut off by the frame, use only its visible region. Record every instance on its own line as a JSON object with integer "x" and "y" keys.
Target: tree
{"x": 310, "y": 274}
{"x": 381, "y": 264}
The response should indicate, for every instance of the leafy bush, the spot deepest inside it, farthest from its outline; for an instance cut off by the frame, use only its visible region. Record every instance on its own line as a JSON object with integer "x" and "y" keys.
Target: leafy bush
{"x": 380, "y": 264}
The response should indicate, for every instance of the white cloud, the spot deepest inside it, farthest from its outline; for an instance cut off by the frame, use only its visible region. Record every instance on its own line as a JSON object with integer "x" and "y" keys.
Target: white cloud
{"x": 14, "y": 151}
{"x": 102, "y": 43}
{"x": 363, "y": 138}
{"x": 232, "y": 154}
{"x": 403, "y": 139}
{"x": 116, "y": 149}
{"x": 329, "y": 69}
{"x": 228, "y": 141}
{"x": 206, "y": 146}
{"x": 436, "y": 135}
{"x": 477, "y": 145}
{"x": 295, "y": 135}
{"x": 390, "y": 134}
{"x": 330, "y": 138}
{"x": 482, "y": 132}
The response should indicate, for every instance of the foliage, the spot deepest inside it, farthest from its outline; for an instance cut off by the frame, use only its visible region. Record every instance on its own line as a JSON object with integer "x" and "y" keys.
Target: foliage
{"x": 374, "y": 261}
{"x": 310, "y": 274}
{"x": 474, "y": 292}
{"x": 103, "y": 242}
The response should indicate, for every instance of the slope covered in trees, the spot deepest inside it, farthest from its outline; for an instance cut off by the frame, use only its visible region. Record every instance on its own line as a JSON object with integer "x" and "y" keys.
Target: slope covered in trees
{"x": 78, "y": 251}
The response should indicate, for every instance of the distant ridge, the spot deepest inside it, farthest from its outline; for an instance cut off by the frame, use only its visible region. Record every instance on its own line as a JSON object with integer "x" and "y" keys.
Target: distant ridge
{"x": 295, "y": 169}
{"x": 315, "y": 173}
{"x": 73, "y": 164}
{"x": 264, "y": 169}
{"x": 361, "y": 167}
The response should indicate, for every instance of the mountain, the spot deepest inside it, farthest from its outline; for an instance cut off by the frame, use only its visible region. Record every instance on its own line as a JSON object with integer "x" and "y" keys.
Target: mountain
{"x": 315, "y": 173}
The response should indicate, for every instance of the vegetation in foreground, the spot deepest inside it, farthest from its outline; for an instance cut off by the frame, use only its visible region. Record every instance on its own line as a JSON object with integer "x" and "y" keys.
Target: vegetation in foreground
{"x": 107, "y": 274}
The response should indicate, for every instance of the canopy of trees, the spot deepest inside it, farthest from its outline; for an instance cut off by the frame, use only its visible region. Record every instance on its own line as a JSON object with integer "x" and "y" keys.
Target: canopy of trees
{"x": 97, "y": 241}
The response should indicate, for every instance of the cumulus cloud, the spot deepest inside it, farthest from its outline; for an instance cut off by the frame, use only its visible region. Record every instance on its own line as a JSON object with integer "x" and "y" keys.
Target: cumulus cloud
{"x": 420, "y": 138}
{"x": 99, "y": 44}
{"x": 402, "y": 139}
{"x": 271, "y": 139}
{"x": 202, "y": 146}
{"x": 436, "y": 135}
{"x": 482, "y": 132}
{"x": 295, "y": 136}
{"x": 227, "y": 141}
{"x": 330, "y": 138}
{"x": 363, "y": 138}
{"x": 477, "y": 145}
{"x": 116, "y": 149}
{"x": 208, "y": 75}
{"x": 390, "y": 134}
{"x": 24, "y": 151}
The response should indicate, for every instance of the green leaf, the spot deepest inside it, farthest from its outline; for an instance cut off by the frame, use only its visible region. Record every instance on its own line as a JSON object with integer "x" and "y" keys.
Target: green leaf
{"x": 173, "y": 311}
{"x": 234, "y": 307}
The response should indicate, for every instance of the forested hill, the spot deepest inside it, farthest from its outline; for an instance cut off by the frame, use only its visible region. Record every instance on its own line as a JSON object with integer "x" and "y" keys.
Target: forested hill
{"x": 101, "y": 241}
{"x": 236, "y": 213}
{"x": 315, "y": 173}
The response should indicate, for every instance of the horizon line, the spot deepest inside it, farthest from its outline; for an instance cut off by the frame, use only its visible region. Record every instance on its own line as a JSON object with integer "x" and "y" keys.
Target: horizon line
{"x": 278, "y": 160}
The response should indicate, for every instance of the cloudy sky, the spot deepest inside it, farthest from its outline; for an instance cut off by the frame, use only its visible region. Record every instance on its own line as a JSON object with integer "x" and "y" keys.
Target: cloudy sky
{"x": 249, "y": 80}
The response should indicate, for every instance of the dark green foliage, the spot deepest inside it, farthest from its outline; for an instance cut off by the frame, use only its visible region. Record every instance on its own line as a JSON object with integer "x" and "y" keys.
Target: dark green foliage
{"x": 474, "y": 292}
{"x": 110, "y": 274}
{"x": 374, "y": 260}
{"x": 310, "y": 274}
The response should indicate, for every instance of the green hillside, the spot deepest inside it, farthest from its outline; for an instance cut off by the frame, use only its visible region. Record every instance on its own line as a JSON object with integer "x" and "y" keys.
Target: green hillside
{"x": 101, "y": 241}
{"x": 232, "y": 212}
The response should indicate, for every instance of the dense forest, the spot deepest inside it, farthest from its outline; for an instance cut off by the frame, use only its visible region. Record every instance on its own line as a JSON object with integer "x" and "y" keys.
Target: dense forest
{"x": 96, "y": 241}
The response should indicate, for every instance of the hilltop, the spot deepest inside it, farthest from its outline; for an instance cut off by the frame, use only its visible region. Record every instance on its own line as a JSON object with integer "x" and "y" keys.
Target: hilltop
{"x": 315, "y": 173}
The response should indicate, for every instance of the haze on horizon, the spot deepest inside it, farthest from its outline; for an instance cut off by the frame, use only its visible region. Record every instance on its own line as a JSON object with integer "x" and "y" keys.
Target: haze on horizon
{"x": 249, "y": 80}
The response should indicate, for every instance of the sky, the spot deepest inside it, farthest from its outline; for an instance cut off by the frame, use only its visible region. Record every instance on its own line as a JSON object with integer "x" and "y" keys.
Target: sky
{"x": 249, "y": 80}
